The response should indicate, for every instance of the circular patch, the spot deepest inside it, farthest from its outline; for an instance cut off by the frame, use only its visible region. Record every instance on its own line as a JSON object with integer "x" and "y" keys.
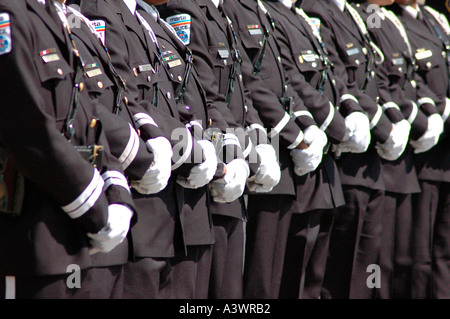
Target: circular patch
{"x": 4, "y": 44}
{"x": 183, "y": 36}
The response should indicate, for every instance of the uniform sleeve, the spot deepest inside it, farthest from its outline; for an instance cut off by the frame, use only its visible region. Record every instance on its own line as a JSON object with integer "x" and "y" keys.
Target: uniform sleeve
{"x": 40, "y": 152}
{"x": 379, "y": 123}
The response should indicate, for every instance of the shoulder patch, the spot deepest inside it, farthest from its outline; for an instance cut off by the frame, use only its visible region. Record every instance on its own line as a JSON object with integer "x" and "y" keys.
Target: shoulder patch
{"x": 316, "y": 22}
{"x": 181, "y": 23}
{"x": 100, "y": 29}
{"x": 5, "y": 34}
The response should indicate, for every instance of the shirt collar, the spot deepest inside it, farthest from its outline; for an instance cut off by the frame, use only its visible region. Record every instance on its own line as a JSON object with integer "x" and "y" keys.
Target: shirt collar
{"x": 41, "y": 2}
{"x": 287, "y": 3}
{"x": 216, "y": 2}
{"x": 131, "y": 4}
{"x": 149, "y": 9}
{"x": 340, "y": 4}
{"x": 411, "y": 10}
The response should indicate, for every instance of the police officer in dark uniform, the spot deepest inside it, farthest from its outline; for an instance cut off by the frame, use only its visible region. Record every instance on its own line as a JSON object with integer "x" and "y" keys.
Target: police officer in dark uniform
{"x": 155, "y": 237}
{"x": 71, "y": 227}
{"x": 430, "y": 212}
{"x": 401, "y": 89}
{"x": 255, "y": 27}
{"x": 355, "y": 239}
{"x": 217, "y": 56}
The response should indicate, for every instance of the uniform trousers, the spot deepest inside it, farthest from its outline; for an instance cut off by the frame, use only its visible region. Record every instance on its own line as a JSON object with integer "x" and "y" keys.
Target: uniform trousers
{"x": 395, "y": 253}
{"x": 354, "y": 243}
{"x": 267, "y": 229}
{"x": 94, "y": 283}
{"x": 430, "y": 243}
{"x": 227, "y": 258}
{"x": 148, "y": 278}
{"x": 306, "y": 255}
{"x": 191, "y": 273}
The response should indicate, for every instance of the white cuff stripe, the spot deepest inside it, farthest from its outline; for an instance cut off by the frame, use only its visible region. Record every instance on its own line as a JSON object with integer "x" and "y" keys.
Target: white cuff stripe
{"x": 329, "y": 118}
{"x": 280, "y": 126}
{"x": 446, "y": 110}
{"x": 10, "y": 287}
{"x": 194, "y": 123}
{"x": 130, "y": 151}
{"x": 187, "y": 153}
{"x": 376, "y": 117}
{"x": 115, "y": 178}
{"x": 256, "y": 126}
{"x": 348, "y": 97}
{"x": 302, "y": 113}
{"x": 298, "y": 140}
{"x": 414, "y": 112}
{"x": 389, "y": 105}
{"x": 87, "y": 199}
{"x": 143, "y": 119}
{"x": 425, "y": 100}
{"x": 248, "y": 148}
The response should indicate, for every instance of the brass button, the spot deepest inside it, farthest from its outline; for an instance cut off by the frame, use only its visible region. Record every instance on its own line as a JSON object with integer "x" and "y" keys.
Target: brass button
{"x": 126, "y": 100}
{"x": 357, "y": 62}
{"x": 60, "y": 72}
{"x": 169, "y": 96}
{"x": 428, "y": 64}
{"x": 210, "y": 122}
{"x": 100, "y": 84}
{"x": 180, "y": 78}
{"x": 81, "y": 87}
{"x": 93, "y": 123}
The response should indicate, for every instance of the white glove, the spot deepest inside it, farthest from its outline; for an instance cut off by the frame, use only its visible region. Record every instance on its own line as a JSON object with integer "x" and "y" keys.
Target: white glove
{"x": 232, "y": 185}
{"x": 357, "y": 137}
{"x": 431, "y": 136}
{"x": 158, "y": 174}
{"x": 396, "y": 142}
{"x": 307, "y": 160}
{"x": 114, "y": 232}
{"x": 268, "y": 173}
{"x": 203, "y": 173}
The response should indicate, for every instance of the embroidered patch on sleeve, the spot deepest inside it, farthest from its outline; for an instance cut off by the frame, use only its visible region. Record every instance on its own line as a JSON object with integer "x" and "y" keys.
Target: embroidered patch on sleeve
{"x": 100, "y": 29}
{"x": 181, "y": 23}
{"x": 5, "y": 34}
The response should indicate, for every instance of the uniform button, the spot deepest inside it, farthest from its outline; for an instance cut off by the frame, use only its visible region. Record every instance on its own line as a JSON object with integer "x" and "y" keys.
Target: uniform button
{"x": 246, "y": 108}
{"x": 81, "y": 87}
{"x": 149, "y": 78}
{"x": 400, "y": 69}
{"x": 60, "y": 72}
{"x": 260, "y": 43}
{"x": 180, "y": 78}
{"x": 428, "y": 64}
{"x": 364, "y": 50}
{"x": 93, "y": 123}
{"x": 357, "y": 62}
{"x": 225, "y": 62}
{"x": 240, "y": 77}
{"x": 314, "y": 64}
{"x": 210, "y": 122}
{"x": 100, "y": 84}
{"x": 126, "y": 100}
{"x": 279, "y": 59}
{"x": 413, "y": 83}
{"x": 171, "y": 75}
{"x": 169, "y": 96}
